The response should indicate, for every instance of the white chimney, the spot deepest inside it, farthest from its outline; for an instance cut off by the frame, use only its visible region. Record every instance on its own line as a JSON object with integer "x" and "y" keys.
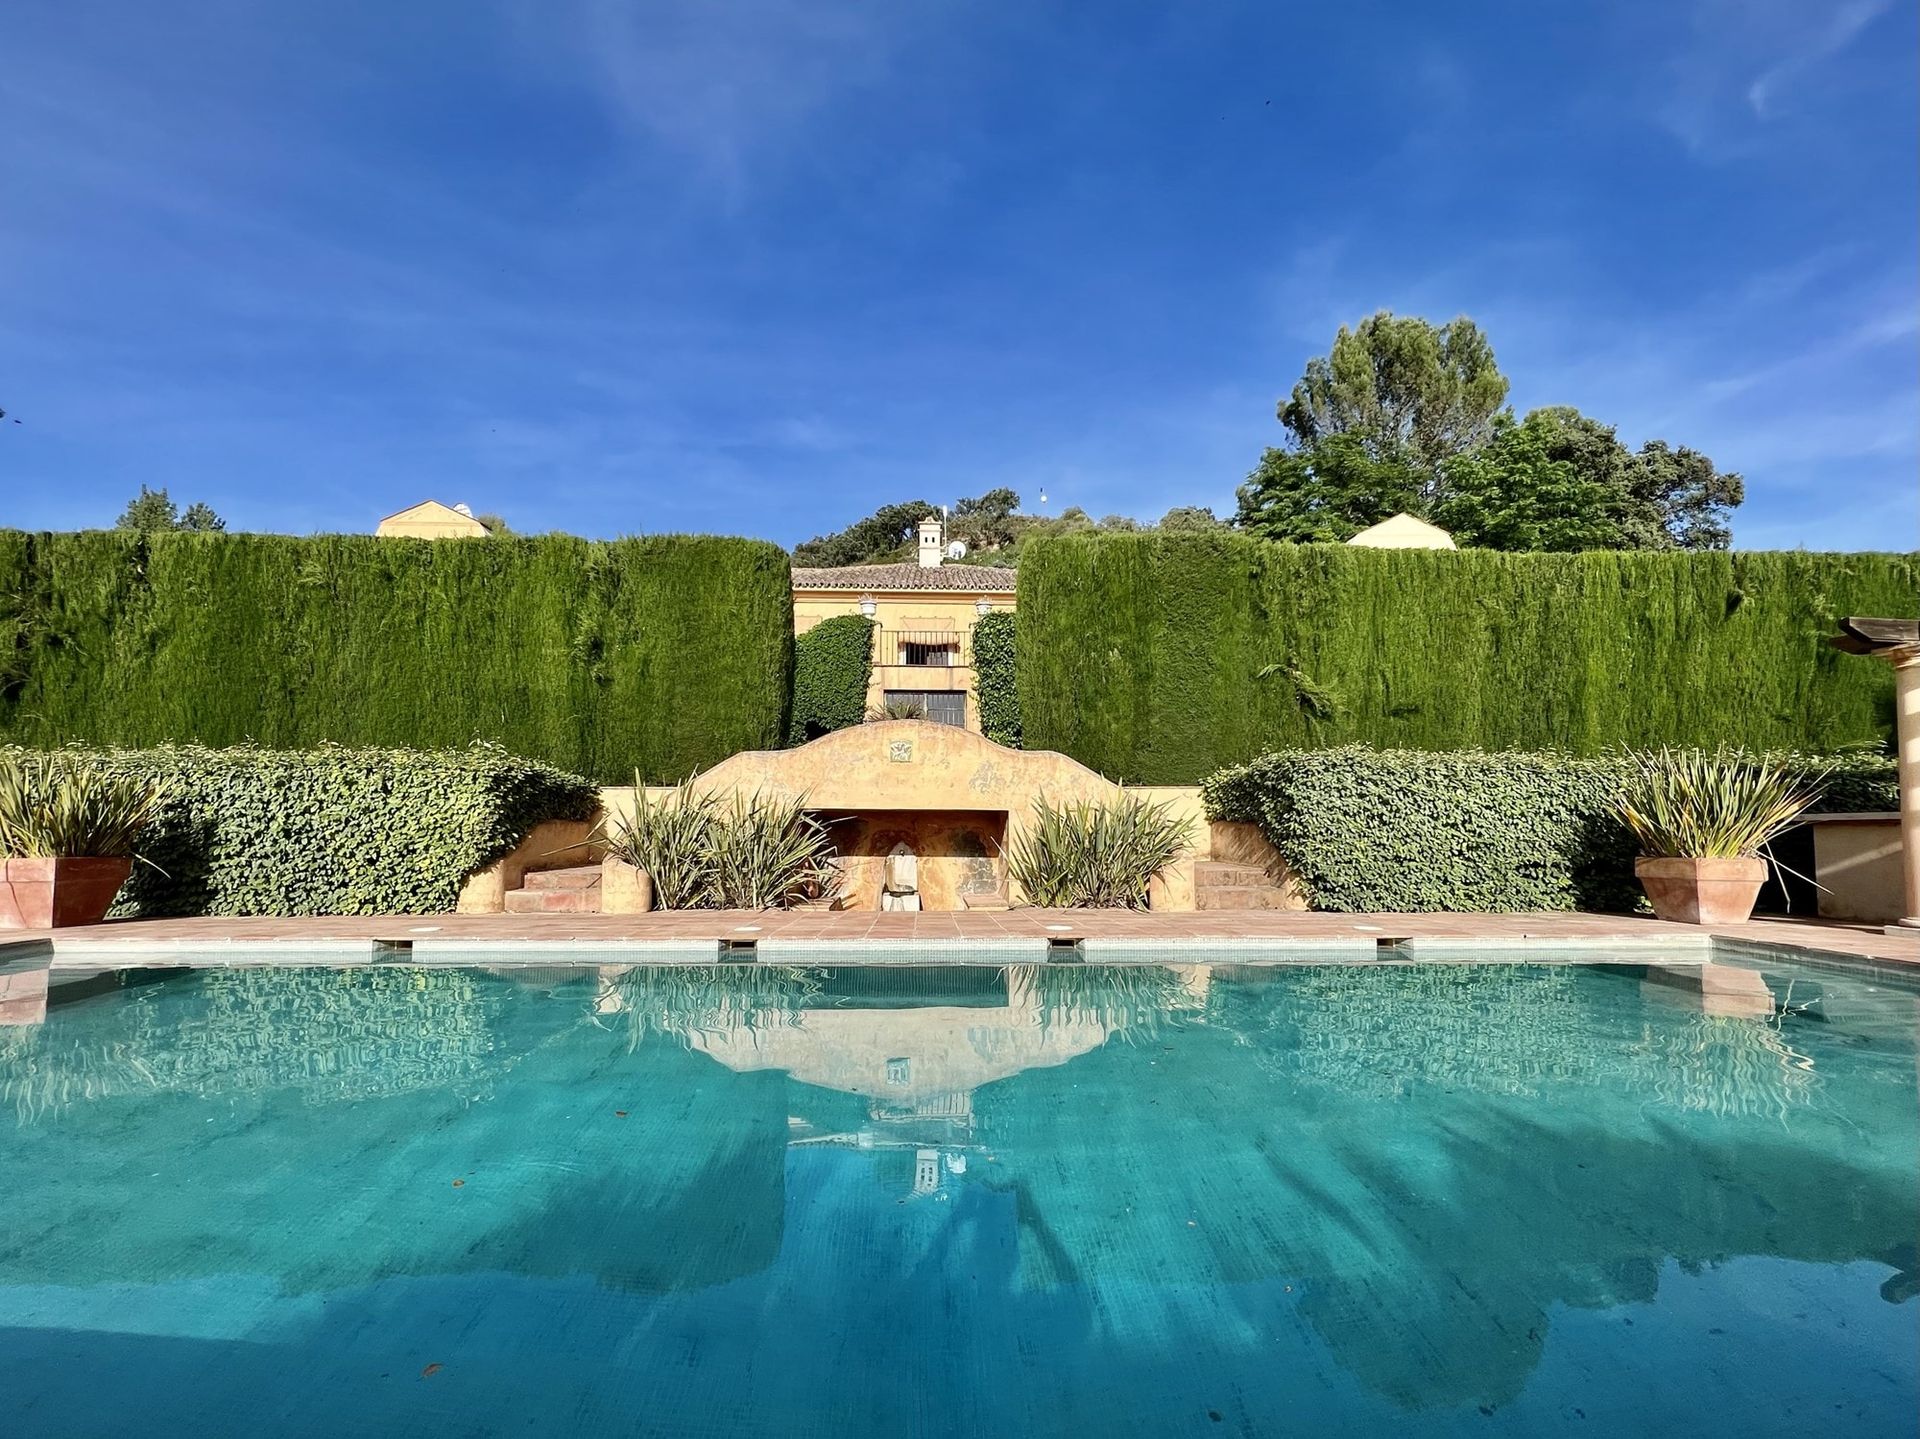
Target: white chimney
{"x": 932, "y": 542}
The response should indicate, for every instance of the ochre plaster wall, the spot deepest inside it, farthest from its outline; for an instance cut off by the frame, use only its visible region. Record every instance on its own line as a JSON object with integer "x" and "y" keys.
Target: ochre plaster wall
{"x": 953, "y": 612}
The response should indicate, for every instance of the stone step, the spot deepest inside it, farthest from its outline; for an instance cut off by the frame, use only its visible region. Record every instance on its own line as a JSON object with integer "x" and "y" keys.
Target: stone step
{"x": 1219, "y": 874}
{"x": 1241, "y": 897}
{"x": 586, "y": 876}
{"x": 553, "y": 901}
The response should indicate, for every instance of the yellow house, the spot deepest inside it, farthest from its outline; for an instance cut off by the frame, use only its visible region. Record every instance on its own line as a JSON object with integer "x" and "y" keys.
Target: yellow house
{"x": 431, "y": 520}
{"x": 924, "y": 612}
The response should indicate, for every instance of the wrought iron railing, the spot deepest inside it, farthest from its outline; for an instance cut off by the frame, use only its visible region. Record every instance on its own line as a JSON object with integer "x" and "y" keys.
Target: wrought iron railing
{"x": 921, "y": 649}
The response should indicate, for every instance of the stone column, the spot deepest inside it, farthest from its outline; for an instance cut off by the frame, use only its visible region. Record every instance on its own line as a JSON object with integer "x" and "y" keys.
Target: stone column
{"x": 1906, "y": 713}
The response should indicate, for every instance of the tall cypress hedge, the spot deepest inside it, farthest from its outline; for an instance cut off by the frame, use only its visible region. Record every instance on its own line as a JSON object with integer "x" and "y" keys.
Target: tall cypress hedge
{"x": 664, "y": 654}
{"x": 1161, "y": 658}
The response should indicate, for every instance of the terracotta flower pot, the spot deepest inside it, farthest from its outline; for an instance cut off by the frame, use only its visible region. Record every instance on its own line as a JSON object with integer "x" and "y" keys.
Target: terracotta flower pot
{"x": 53, "y": 893}
{"x": 1702, "y": 891}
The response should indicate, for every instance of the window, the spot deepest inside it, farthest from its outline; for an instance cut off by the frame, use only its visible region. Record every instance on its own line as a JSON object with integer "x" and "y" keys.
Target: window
{"x": 944, "y": 653}
{"x": 940, "y": 706}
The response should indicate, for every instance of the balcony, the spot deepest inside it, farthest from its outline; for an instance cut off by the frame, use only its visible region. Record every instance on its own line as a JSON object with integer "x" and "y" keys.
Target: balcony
{"x": 921, "y": 650}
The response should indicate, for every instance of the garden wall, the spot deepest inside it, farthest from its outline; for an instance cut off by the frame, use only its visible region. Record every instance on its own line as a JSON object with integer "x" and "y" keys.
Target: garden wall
{"x": 1159, "y": 658}
{"x": 664, "y": 654}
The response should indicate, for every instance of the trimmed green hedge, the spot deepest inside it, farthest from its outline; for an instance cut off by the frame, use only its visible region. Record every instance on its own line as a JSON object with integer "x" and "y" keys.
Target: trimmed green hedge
{"x": 1159, "y": 658}
{"x": 996, "y": 678}
{"x": 1409, "y": 830}
{"x": 664, "y": 654}
{"x": 832, "y": 665}
{"x": 331, "y": 830}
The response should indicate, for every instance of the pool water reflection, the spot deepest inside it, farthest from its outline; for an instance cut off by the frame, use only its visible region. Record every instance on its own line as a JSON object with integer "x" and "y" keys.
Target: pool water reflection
{"x": 742, "y": 1199}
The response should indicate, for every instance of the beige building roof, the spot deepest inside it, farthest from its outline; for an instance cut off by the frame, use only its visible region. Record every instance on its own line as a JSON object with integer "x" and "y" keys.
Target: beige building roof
{"x": 430, "y": 520}
{"x": 1404, "y": 532}
{"x": 968, "y": 579}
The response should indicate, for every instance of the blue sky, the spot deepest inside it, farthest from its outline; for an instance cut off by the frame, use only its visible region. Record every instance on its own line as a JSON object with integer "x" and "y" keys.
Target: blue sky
{"x": 758, "y": 267}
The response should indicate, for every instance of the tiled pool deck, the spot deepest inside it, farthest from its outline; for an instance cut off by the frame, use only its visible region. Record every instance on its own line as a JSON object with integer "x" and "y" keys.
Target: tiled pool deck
{"x": 816, "y": 937}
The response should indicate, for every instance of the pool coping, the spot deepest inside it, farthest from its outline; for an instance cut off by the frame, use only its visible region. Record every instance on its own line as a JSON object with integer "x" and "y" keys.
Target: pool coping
{"x": 93, "y": 954}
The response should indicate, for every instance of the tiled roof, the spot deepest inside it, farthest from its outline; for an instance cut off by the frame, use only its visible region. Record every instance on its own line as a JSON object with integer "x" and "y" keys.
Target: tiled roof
{"x": 968, "y": 578}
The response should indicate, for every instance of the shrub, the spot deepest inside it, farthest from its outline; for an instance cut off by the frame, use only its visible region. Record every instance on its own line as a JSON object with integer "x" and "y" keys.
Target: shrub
{"x": 1683, "y": 804}
{"x": 327, "y": 831}
{"x": 1088, "y": 855}
{"x": 1403, "y": 830}
{"x": 666, "y": 653}
{"x": 1159, "y": 658}
{"x": 996, "y": 678}
{"x": 58, "y": 805}
{"x": 832, "y": 666}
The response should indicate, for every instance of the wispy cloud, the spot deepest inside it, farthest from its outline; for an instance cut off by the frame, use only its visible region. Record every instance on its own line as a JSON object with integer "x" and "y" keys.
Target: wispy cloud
{"x": 1841, "y": 29}
{"x": 1734, "y": 64}
{"x": 722, "y": 84}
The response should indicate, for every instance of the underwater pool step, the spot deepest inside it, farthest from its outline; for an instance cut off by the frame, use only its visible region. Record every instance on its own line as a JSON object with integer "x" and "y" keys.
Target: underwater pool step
{"x": 586, "y": 876}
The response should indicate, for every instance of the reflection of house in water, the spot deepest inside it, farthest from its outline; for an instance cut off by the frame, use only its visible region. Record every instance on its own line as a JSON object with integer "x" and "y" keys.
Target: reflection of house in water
{"x": 916, "y": 1044}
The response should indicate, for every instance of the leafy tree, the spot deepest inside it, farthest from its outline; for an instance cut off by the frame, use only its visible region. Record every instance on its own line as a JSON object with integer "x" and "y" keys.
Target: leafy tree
{"x": 1559, "y": 480}
{"x": 149, "y": 510}
{"x": 878, "y": 539}
{"x": 154, "y": 510}
{"x": 1555, "y": 481}
{"x": 1407, "y": 389}
{"x": 1690, "y": 498}
{"x": 987, "y": 522}
{"x": 495, "y": 525}
{"x": 200, "y": 519}
{"x": 1327, "y": 493}
{"x": 1191, "y": 517}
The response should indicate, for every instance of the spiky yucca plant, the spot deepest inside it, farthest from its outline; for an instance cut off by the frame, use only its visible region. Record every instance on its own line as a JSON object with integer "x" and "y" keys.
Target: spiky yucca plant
{"x": 1695, "y": 804}
{"x": 748, "y": 853}
{"x": 55, "y": 806}
{"x": 770, "y": 854}
{"x": 1095, "y": 855}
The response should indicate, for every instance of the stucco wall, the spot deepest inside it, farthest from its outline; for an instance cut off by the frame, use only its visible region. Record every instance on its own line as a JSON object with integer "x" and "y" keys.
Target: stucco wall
{"x": 1856, "y": 860}
{"x": 954, "y": 612}
{"x": 903, "y": 773}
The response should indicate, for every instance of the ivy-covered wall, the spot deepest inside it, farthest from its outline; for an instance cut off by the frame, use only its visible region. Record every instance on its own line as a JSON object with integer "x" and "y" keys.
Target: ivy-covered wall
{"x": 832, "y": 666}
{"x": 1160, "y": 658}
{"x": 995, "y": 677}
{"x": 664, "y": 654}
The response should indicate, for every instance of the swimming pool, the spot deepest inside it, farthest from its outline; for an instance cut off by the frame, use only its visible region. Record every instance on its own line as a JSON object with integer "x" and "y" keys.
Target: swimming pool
{"x": 1057, "y": 1199}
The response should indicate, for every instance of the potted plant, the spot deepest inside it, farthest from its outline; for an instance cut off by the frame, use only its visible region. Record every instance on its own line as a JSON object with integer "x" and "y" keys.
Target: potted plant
{"x": 1703, "y": 822}
{"x": 68, "y": 829}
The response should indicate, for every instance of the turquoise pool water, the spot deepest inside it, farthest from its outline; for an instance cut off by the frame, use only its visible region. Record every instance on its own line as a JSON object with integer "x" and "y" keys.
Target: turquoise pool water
{"x": 1067, "y": 1200}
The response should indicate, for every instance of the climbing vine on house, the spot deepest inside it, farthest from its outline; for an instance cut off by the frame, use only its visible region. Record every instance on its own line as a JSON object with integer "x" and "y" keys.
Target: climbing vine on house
{"x": 832, "y": 666}
{"x": 996, "y": 679}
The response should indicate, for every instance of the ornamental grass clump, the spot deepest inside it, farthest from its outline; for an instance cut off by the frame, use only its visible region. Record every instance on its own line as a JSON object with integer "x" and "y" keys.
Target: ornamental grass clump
{"x": 1095, "y": 855}
{"x": 748, "y": 853}
{"x": 1696, "y": 804}
{"x": 58, "y": 806}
